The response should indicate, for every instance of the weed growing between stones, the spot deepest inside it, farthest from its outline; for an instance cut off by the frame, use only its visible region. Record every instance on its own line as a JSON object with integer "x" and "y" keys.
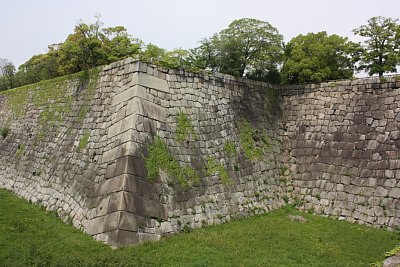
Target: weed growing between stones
{"x": 230, "y": 148}
{"x": 17, "y": 99}
{"x": 4, "y": 131}
{"x": 91, "y": 77}
{"x": 184, "y": 129}
{"x": 83, "y": 141}
{"x": 333, "y": 84}
{"x": 20, "y": 150}
{"x": 213, "y": 167}
{"x": 247, "y": 141}
{"x": 161, "y": 159}
{"x": 383, "y": 80}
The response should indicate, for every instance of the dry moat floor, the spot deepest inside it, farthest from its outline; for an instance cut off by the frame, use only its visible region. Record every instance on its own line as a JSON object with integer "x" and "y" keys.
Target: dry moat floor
{"x": 30, "y": 236}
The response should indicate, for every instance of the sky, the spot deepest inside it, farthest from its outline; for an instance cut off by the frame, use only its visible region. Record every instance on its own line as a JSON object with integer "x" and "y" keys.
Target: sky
{"x": 27, "y": 27}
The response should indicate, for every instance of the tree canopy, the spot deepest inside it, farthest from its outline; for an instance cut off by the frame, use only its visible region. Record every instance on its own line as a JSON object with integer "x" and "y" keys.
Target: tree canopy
{"x": 382, "y": 47}
{"x": 7, "y": 72}
{"x": 90, "y": 45}
{"x": 318, "y": 57}
{"x": 248, "y": 47}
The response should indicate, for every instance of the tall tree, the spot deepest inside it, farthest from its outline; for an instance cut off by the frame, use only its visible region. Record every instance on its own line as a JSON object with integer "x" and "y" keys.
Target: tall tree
{"x": 82, "y": 50}
{"x": 318, "y": 57}
{"x": 246, "y": 47}
{"x": 382, "y": 46}
{"x": 7, "y": 74}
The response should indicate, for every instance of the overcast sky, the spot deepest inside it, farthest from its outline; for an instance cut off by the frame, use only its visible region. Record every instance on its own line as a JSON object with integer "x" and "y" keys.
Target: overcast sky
{"x": 27, "y": 27}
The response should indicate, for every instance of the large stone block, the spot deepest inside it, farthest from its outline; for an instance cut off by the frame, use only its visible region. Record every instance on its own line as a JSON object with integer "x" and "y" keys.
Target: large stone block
{"x": 152, "y": 82}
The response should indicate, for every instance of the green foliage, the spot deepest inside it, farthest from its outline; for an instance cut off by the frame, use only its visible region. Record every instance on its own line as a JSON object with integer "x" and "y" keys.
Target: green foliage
{"x": 160, "y": 158}
{"x": 318, "y": 57}
{"x": 89, "y": 77}
{"x": 382, "y": 46}
{"x": 4, "y": 131}
{"x": 17, "y": 100}
{"x": 250, "y": 148}
{"x": 393, "y": 251}
{"x": 53, "y": 99}
{"x": 83, "y": 141}
{"x": 230, "y": 148}
{"x": 175, "y": 59}
{"x": 184, "y": 129}
{"x": 20, "y": 150}
{"x": 247, "y": 46}
{"x": 7, "y": 74}
{"x": 30, "y": 236}
{"x": 213, "y": 167}
{"x": 383, "y": 79}
{"x": 89, "y": 46}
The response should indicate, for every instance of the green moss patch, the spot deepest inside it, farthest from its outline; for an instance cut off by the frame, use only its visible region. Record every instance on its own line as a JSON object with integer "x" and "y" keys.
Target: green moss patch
{"x": 83, "y": 141}
{"x": 184, "y": 129}
{"x": 250, "y": 148}
{"x": 230, "y": 148}
{"x": 20, "y": 150}
{"x": 213, "y": 168}
{"x": 52, "y": 98}
{"x": 160, "y": 158}
{"x": 4, "y": 131}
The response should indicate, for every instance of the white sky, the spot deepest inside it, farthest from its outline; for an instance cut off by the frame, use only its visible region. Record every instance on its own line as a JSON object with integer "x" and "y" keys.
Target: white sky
{"x": 27, "y": 27}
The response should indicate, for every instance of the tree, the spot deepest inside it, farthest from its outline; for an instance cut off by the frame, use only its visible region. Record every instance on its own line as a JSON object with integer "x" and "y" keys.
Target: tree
{"x": 153, "y": 54}
{"x": 318, "y": 57}
{"x": 175, "y": 59}
{"x": 40, "y": 67}
{"x": 247, "y": 47}
{"x": 382, "y": 46}
{"x": 82, "y": 50}
{"x": 92, "y": 45}
{"x": 118, "y": 44}
{"x": 7, "y": 74}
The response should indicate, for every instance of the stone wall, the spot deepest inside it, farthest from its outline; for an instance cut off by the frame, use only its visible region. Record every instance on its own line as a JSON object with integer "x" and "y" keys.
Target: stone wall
{"x": 82, "y": 151}
{"x": 342, "y": 142}
{"x": 133, "y": 152}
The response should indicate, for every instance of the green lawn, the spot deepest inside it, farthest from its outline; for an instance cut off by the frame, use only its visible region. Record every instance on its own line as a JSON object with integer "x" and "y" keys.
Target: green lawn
{"x": 29, "y": 236}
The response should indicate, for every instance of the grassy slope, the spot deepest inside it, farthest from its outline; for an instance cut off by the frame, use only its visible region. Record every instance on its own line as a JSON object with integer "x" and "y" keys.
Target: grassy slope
{"x": 30, "y": 236}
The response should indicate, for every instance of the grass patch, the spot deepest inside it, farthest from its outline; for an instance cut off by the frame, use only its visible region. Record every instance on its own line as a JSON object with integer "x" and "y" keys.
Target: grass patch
{"x": 29, "y": 236}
